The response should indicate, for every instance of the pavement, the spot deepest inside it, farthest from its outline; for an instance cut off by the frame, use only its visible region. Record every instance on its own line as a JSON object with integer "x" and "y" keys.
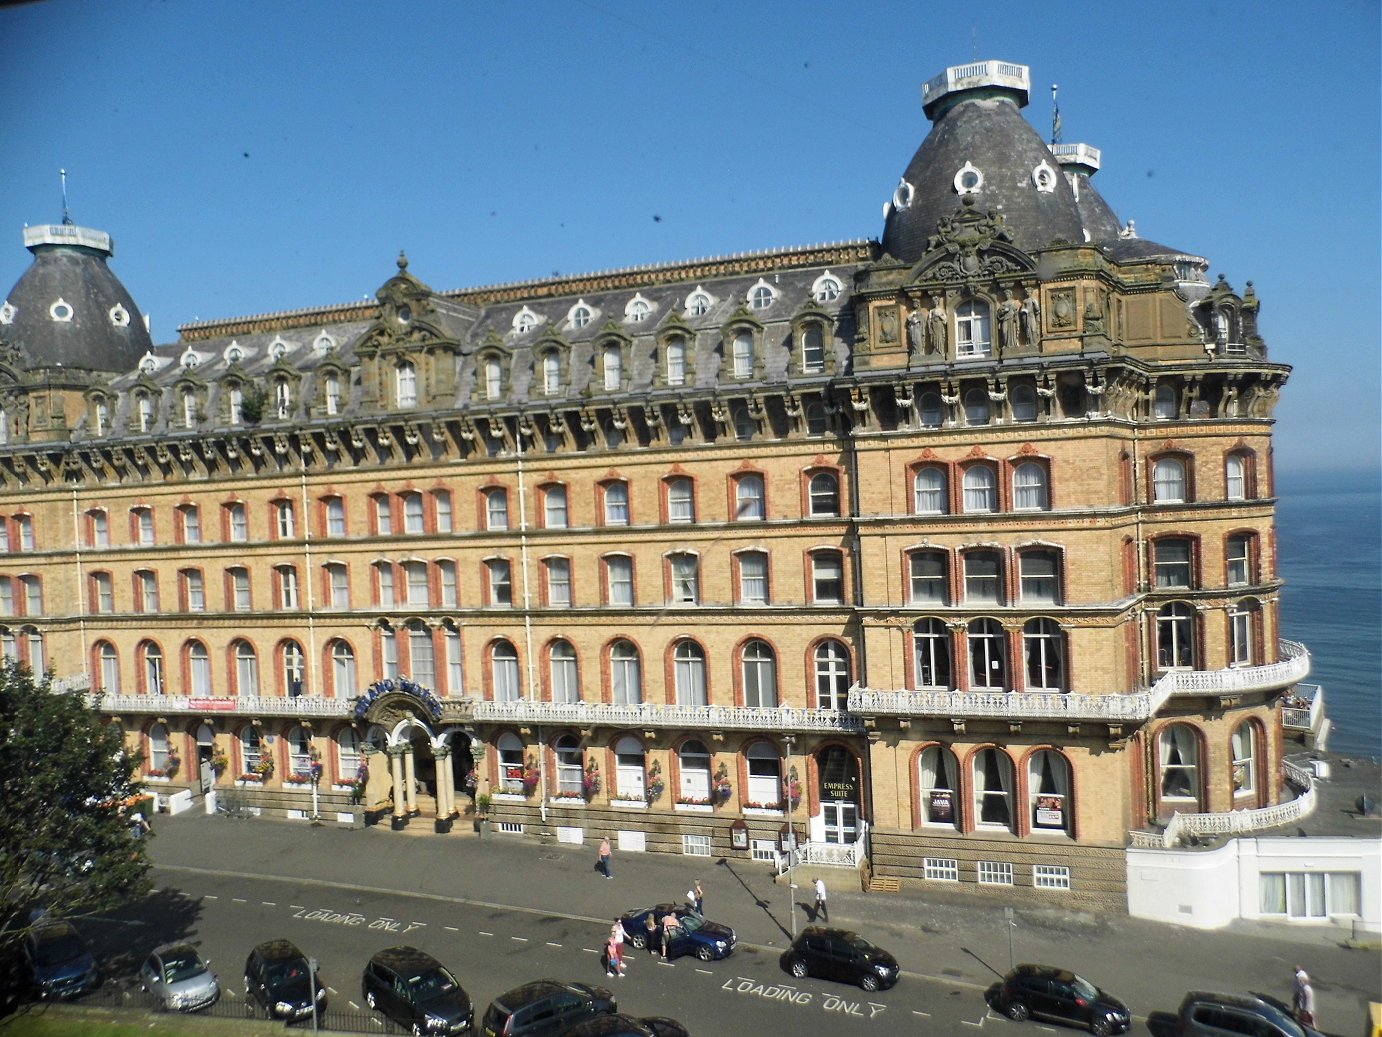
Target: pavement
{"x": 962, "y": 939}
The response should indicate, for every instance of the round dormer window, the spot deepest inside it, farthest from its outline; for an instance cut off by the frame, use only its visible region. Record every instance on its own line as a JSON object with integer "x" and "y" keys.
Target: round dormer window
{"x": 1044, "y": 177}
{"x": 902, "y": 197}
{"x": 405, "y": 314}
{"x": 969, "y": 179}
{"x": 7, "y": 313}
{"x": 61, "y": 311}
{"x": 119, "y": 316}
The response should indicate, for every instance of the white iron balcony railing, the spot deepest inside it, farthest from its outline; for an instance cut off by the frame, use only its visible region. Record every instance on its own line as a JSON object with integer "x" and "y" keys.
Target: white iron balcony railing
{"x": 1303, "y": 708}
{"x": 1237, "y": 822}
{"x": 650, "y": 715}
{"x": 1121, "y": 707}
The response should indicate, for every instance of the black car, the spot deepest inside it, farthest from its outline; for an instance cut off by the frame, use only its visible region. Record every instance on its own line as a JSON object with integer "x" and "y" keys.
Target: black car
{"x": 57, "y": 961}
{"x": 841, "y": 955}
{"x": 545, "y": 1006}
{"x": 628, "y": 1026}
{"x": 694, "y": 934}
{"x": 415, "y": 990}
{"x": 1204, "y": 1014}
{"x": 280, "y": 978}
{"x": 1058, "y": 995}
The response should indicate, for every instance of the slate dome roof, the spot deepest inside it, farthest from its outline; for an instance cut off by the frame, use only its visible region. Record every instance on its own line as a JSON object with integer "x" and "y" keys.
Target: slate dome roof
{"x": 978, "y": 126}
{"x": 69, "y": 309}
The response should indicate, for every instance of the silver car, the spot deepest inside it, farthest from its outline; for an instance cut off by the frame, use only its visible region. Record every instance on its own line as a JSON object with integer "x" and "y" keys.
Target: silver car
{"x": 176, "y": 974}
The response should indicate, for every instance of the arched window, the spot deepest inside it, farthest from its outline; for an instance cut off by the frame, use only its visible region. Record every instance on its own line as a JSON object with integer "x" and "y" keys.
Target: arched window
{"x": 1023, "y": 402}
{"x": 1242, "y": 629}
{"x": 570, "y": 761}
{"x": 1043, "y": 646}
{"x": 1175, "y": 636}
{"x": 689, "y": 667}
{"x": 980, "y": 489}
{"x": 612, "y": 356}
{"x": 1164, "y": 403}
{"x": 993, "y": 789}
{"x": 760, "y": 675}
{"x": 199, "y": 669}
{"x": 1172, "y": 562}
{"x": 693, "y": 761}
{"x": 929, "y": 491}
{"x": 246, "y": 670}
{"x": 812, "y": 350}
{"x": 251, "y": 747}
{"x": 422, "y": 654}
{"x": 749, "y": 498}
{"x": 554, "y": 507}
{"x": 931, "y": 410}
{"x": 1235, "y": 477}
{"x": 494, "y": 378}
{"x": 388, "y": 651}
{"x": 1168, "y": 481}
{"x": 988, "y": 661}
{"x": 823, "y": 493}
{"x": 675, "y": 361}
{"x": 1029, "y": 487}
{"x": 1244, "y": 749}
{"x": 158, "y": 751}
{"x": 566, "y": 682}
{"x": 551, "y": 373}
{"x": 976, "y": 403}
{"x": 1039, "y": 576}
{"x": 299, "y": 752}
{"x": 1179, "y": 754}
{"x": 504, "y": 659}
{"x": 510, "y": 764}
{"x": 1048, "y": 790}
{"x": 832, "y": 675}
{"x": 928, "y": 578}
{"x": 765, "y": 775}
{"x": 347, "y": 755}
{"x": 626, "y": 674}
{"x": 344, "y": 677}
{"x": 294, "y": 668}
{"x": 154, "y": 676}
{"x": 938, "y": 784}
{"x": 405, "y": 380}
{"x": 931, "y": 645}
{"x": 983, "y": 577}
{"x": 630, "y": 769}
{"x": 681, "y": 500}
{"x": 972, "y": 335}
{"x": 742, "y": 352}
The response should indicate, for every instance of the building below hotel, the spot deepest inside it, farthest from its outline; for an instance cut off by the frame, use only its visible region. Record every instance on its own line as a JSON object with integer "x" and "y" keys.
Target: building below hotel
{"x": 953, "y": 549}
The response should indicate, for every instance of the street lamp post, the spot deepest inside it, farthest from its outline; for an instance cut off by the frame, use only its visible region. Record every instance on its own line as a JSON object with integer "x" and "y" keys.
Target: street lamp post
{"x": 791, "y": 836}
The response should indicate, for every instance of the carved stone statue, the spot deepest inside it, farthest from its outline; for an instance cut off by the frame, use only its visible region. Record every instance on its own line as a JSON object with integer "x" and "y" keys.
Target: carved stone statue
{"x": 916, "y": 332}
{"x": 1008, "y": 311}
{"x": 1031, "y": 318}
{"x": 937, "y": 330}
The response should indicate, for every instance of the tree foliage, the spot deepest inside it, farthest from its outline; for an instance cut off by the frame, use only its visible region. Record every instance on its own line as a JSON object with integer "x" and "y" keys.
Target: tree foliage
{"x": 66, "y": 841}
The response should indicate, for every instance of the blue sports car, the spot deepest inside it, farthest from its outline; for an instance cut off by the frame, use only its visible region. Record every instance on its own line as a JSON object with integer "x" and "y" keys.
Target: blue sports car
{"x": 694, "y": 933}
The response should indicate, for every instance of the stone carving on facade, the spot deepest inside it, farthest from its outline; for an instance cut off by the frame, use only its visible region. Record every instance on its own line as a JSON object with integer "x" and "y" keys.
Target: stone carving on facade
{"x": 887, "y": 325}
{"x": 916, "y": 333}
{"x": 1008, "y": 312}
{"x": 971, "y": 245}
{"x": 1063, "y": 308}
{"x": 1030, "y": 318}
{"x": 937, "y": 329}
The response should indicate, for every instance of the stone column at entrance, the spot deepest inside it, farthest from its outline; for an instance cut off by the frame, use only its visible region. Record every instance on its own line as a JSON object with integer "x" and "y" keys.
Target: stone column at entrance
{"x": 410, "y": 780}
{"x": 400, "y": 806}
{"x": 446, "y": 792}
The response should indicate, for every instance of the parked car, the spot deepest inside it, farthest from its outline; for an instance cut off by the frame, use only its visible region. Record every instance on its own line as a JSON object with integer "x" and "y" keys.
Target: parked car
{"x": 281, "y": 980}
{"x": 1058, "y": 995}
{"x": 1204, "y": 1014}
{"x": 695, "y": 934}
{"x": 178, "y": 976}
{"x": 628, "y": 1026}
{"x": 416, "y": 991}
{"x": 545, "y": 1006}
{"x": 840, "y": 955}
{"x": 57, "y": 961}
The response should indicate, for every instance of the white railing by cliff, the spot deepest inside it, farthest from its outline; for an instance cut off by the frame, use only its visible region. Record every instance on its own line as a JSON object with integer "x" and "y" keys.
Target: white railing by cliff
{"x": 1237, "y": 822}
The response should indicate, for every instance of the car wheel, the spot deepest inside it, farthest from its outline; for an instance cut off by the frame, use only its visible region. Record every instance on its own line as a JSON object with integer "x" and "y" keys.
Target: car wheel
{"x": 869, "y": 982}
{"x": 372, "y": 1001}
{"x": 639, "y": 941}
{"x": 705, "y": 953}
{"x": 797, "y": 968}
{"x": 1016, "y": 1011}
{"x": 1101, "y": 1027}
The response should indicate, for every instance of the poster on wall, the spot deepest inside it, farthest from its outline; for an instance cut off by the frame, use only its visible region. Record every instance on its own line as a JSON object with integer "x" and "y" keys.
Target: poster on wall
{"x": 1050, "y": 811}
{"x": 942, "y": 809}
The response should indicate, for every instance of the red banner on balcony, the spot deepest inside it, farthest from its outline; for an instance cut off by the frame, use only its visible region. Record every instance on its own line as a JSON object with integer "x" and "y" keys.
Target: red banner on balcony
{"x": 226, "y": 705}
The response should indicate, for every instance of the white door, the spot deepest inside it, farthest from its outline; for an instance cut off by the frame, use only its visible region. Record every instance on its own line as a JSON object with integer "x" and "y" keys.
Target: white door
{"x": 841, "y": 821}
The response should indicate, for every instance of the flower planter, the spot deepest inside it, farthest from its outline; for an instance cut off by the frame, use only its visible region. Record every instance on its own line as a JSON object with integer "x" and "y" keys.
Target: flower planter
{"x": 694, "y": 808}
{"x": 762, "y": 812}
{"x": 628, "y": 804}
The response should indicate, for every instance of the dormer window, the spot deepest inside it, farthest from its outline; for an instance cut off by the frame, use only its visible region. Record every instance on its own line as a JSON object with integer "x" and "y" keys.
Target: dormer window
{"x": 742, "y": 354}
{"x": 972, "y": 336}
{"x": 551, "y": 372}
{"x": 146, "y": 413}
{"x": 968, "y": 179}
{"x": 612, "y": 361}
{"x": 323, "y": 344}
{"x": 283, "y": 400}
{"x": 698, "y": 303}
{"x": 234, "y": 353}
{"x": 61, "y": 311}
{"x": 827, "y": 288}
{"x": 189, "y": 409}
{"x": 524, "y": 321}
{"x": 761, "y": 295}
{"x": 638, "y": 309}
{"x": 580, "y": 316}
{"x": 1044, "y": 177}
{"x": 190, "y": 358}
{"x": 278, "y": 349}
{"x": 148, "y": 363}
{"x": 7, "y": 312}
{"x": 675, "y": 360}
{"x": 331, "y": 391}
{"x": 119, "y": 316}
{"x": 494, "y": 378}
{"x": 101, "y": 417}
{"x": 405, "y": 383}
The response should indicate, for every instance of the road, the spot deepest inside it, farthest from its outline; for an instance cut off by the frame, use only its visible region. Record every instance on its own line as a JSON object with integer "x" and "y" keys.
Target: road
{"x": 501, "y": 911}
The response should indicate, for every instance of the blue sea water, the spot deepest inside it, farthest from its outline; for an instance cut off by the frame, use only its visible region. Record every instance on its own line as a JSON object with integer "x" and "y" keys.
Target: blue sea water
{"x": 1329, "y": 534}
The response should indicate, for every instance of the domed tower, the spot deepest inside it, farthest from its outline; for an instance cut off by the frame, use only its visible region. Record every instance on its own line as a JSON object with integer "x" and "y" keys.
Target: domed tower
{"x": 67, "y": 324}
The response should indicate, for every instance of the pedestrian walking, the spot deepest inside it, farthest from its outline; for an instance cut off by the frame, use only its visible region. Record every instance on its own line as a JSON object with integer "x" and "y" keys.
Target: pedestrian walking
{"x": 821, "y": 910}
{"x": 603, "y": 862}
{"x": 650, "y": 932}
{"x": 614, "y": 957}
{"x": 1303, "y": 1001}
{"x": 700, "y": 898}
{"x": 669, "y": 922}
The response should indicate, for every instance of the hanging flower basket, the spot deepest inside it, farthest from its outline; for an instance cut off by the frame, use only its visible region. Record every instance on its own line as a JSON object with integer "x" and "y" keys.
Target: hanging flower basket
{"x": 655, "y": 786}
{"x": 531, "y": 777}
{"x": 590, "y": 780}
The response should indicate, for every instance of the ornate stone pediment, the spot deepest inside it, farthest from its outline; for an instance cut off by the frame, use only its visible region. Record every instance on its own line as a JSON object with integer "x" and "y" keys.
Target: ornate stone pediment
{"x": 971, "y": 246}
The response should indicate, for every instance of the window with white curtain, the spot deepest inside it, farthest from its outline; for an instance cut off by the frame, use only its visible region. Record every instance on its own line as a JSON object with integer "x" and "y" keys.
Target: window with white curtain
{"x": 110, "y": 669}
{"x": 343, "y": 672}
{"x": 765, "y": 774}
{"x": 1179, "y": 752}
{"x": 1029, "y": 487}
{"x": 743, "y": 354}
{"x": 938, "y": 784}
{"x": 1168, "y": 481}
{"x": 347, "y": 755}
{"x": 619, "y": 579}
{"x": 928, "y": 489}
{"x": 693, "y": 761}
{"x": 153, "y": 668}
{"x": 749, "y": 503}
{"x": 199, "y": 669}
{"x": 413, "y": 517}
{"x": 616, "y": 496}
{"x": 629, "y": 768}
{"x": 1039, "y": 576}
{"x": 570, "y": 761}
{"x": 675, "y": 361}
{"x": 980, "y": 489}
{"x": 689, "y": 672}
{"x": 246, "y": 670}
{"x": 993, "y": 789}
{"x": 335, "y": 517}
{"x": 558, "y": 571}
{"x": 497, "y": 509}
{"x": 511, "y": 764}
{"x": 1244, "y": 760}
{"x": 1311, "y": 894}
{"x": 625, "y": 671}
{"x": 685, "y": 578}
{"x": 760, "y": 675}
{"x": 931, "y": 645}
{"x": 1048, "y": 788}
{"x": 1235, "y": 474}
{"x": 441, "y": 505}
{"x": 753, "y": 577}
{"x": 405, "y": 381}
{"x": 504, "y": 658}
{"x": 565, "y": 676}
{"x": 158, "y": 748}
{"x": 928, "y": 579}
{"x": 422, "y": 654}
{"x": 554, "y": 509}
{"x": 1043, "y": 646}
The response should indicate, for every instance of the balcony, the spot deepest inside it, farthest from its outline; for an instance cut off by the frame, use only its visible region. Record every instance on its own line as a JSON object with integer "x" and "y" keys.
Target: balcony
{"x": 1117, "y": 708}
{"x": 255, "y": 706}
{"x": 651, "y": 716}
{"x": 1183, "y": 828}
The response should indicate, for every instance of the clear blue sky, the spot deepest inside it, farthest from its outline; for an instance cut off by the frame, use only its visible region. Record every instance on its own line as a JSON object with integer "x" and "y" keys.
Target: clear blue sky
{"x": 252, "y": 157}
